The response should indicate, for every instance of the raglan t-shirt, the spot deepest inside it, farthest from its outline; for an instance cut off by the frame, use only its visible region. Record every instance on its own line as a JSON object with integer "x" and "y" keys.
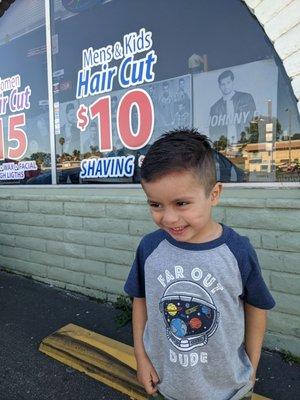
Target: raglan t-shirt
{"x": 195, "y": 294}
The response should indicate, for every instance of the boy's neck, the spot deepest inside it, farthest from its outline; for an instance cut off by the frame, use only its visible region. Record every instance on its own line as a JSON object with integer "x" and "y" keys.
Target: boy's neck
{"x": 212, "y": 231}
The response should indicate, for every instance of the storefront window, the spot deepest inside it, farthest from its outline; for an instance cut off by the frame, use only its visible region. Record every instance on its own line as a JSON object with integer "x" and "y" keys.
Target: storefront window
{"x": 24, "y": 118}
{"x": 126, "y": 71}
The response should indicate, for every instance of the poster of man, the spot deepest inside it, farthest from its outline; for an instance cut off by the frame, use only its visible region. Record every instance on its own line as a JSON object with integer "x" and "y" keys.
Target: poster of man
{"x": 172, "y": 104}
{"x": 227, "y": 100}
{"x": 69, "y": 131}
{"x": 232, "y": 111}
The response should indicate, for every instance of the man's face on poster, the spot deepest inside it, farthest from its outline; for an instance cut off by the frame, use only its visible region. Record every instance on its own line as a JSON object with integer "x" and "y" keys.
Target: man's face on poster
{"x": 71, "y": 116}
{"x": 226, "y": 85}
{"x": 151, "y": 90}
{"x": 166, "y": 90}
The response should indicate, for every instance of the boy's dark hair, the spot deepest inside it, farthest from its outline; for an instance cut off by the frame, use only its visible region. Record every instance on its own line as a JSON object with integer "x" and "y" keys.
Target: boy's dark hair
{"x": 181, "y": 150}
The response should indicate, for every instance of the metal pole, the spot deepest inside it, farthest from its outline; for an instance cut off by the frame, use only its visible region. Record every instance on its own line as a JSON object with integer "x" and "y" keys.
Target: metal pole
{"x": 50, "y": 89}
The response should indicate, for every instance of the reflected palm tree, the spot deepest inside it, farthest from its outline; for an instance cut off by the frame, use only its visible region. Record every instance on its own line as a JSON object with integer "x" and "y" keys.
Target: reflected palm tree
{"x": 62, "y": 142}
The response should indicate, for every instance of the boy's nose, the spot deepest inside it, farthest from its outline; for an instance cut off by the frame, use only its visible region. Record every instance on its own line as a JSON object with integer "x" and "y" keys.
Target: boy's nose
{"x": 170, "y": 217}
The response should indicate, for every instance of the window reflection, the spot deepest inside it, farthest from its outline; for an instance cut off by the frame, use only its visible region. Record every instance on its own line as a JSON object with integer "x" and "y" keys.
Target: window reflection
{"x": 24, "y": 121}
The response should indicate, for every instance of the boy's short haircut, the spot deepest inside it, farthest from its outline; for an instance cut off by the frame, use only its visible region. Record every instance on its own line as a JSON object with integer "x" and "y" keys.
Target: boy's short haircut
{"x": 181, "y": 150}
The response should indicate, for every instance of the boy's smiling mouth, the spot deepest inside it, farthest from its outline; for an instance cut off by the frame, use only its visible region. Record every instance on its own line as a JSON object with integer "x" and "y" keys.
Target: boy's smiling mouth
{"x": 178, "y": 230}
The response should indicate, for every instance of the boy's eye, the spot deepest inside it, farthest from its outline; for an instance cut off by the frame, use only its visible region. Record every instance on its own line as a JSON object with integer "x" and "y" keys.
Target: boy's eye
{"x": 154, "y": 205}
{"x": 181, "y": 203}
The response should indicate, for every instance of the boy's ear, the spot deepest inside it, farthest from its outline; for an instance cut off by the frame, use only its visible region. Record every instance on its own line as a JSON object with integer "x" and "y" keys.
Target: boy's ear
{"x": 216, "y": 193}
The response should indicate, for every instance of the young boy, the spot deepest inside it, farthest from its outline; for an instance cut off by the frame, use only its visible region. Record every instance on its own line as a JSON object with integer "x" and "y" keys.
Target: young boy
{"x": 199, "y": 308}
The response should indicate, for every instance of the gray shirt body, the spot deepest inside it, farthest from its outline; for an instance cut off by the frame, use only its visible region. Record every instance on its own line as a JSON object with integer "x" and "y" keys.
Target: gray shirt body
{"x": 195, "y": 294}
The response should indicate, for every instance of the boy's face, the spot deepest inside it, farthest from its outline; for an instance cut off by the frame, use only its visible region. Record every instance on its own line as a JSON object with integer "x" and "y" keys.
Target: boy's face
{"x": 180, "y": 206}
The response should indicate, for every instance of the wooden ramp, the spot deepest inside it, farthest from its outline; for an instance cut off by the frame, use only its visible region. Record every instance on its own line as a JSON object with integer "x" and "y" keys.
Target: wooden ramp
{"x": 107, "y": 360}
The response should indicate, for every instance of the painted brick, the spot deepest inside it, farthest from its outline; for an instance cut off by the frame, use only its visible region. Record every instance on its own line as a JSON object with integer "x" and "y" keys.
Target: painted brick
{"x": 25, "y": 267}
{"x": 292, "y": 64}
{"x": 46, "y": 232}
{"x": 268, "y": 9}
{"x": 46, "y": 207}
{"x": 15, "y": 252}
{"x": 123, "y": 242}
{"x": 51, "y": 282}
{"x": 60, "y": 221}
{"x": 284, "y": 323}
{"x": 288, "y": 283}
{"x": 106, "y": 225}
{"x": 109, "y": 255}
{"x": 288, "y": 43}
{"x": 31, "y": 243}
{"x": 127, "y": 211}
{"x": 290, "y": 203}
{"x": 14, "y": 205}
{"x": 279, "y": 260}
{"x": 13, "y": 229}
{"x": 286, "y": 241}
{"x": 104, "y": 283}
{"x": 219, "y": 214}
{"x": 252, "y": 234}
{"x": 287, "y": 303}
{"x": 66, "y": 249}
{"x": 257, "y": 218}
{"x": 267, "y": 277}
{"x": 242, "y": 202}
{"x": 283, "y": 21}
{"x": 296, "y": 86}
{"x": 94, "y": 293}
{"x": 117, "y": 271}
{"x": 85, "y": 266}
{"x": 8, "y": 217}
{"x": 47, "y": 259}
{"x": 252, "y": 3}
{"x": 30, "y": 219}
{"x": 60, "y": 274}
{"x": 85, "y": 209}
{"x": 8, "y": 240}
{"x": 279, "y": 342}
{"x": 140, "y": 228}
{"x": 84, "y": 237}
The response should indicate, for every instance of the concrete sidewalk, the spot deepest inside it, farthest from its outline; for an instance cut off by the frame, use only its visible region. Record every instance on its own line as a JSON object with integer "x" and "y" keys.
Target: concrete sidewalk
{"x": 30, "y": 311}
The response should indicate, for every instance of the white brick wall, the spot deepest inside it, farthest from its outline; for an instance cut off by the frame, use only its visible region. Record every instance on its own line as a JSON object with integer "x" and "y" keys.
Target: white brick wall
{"x": 90, "y": 248}
{"x": 281, "y": 22}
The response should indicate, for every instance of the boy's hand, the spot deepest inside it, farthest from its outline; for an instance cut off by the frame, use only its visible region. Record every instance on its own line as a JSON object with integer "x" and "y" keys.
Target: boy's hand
{"x": 146, "y": 375}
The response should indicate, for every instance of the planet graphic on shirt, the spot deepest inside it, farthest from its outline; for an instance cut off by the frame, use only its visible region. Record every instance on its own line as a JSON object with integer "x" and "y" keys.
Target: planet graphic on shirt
{"x": 172, "y": 309}
{"x": 206, "y": 311}
{"x": 195, "y": 323}
{"x": 178, "y": 327}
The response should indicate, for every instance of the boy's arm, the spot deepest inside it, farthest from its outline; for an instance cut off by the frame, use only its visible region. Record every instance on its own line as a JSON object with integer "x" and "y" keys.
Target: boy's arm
{"x": 146, "y": 373}
{"x": 255, "y": 327}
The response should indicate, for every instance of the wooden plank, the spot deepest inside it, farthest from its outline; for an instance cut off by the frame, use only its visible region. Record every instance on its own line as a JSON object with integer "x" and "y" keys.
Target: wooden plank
{"x": 258, "y": 397}
{"x": 104, "y": 359}
{"x": 101, "y": 358}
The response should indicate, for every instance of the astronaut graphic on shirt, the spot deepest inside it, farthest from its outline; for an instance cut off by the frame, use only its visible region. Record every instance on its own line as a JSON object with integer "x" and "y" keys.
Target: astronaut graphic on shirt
{"x": 189, "y": 313}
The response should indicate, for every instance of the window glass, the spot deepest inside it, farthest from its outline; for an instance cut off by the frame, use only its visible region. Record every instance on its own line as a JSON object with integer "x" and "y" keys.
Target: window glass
{"x": 125, "y": 71}
{"x": 24, "y": 118}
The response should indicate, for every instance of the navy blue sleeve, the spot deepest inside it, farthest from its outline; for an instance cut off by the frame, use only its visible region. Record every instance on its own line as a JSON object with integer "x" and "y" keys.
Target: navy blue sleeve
{"x": 255, "y": 290}
{"x": 135, "y": 284}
